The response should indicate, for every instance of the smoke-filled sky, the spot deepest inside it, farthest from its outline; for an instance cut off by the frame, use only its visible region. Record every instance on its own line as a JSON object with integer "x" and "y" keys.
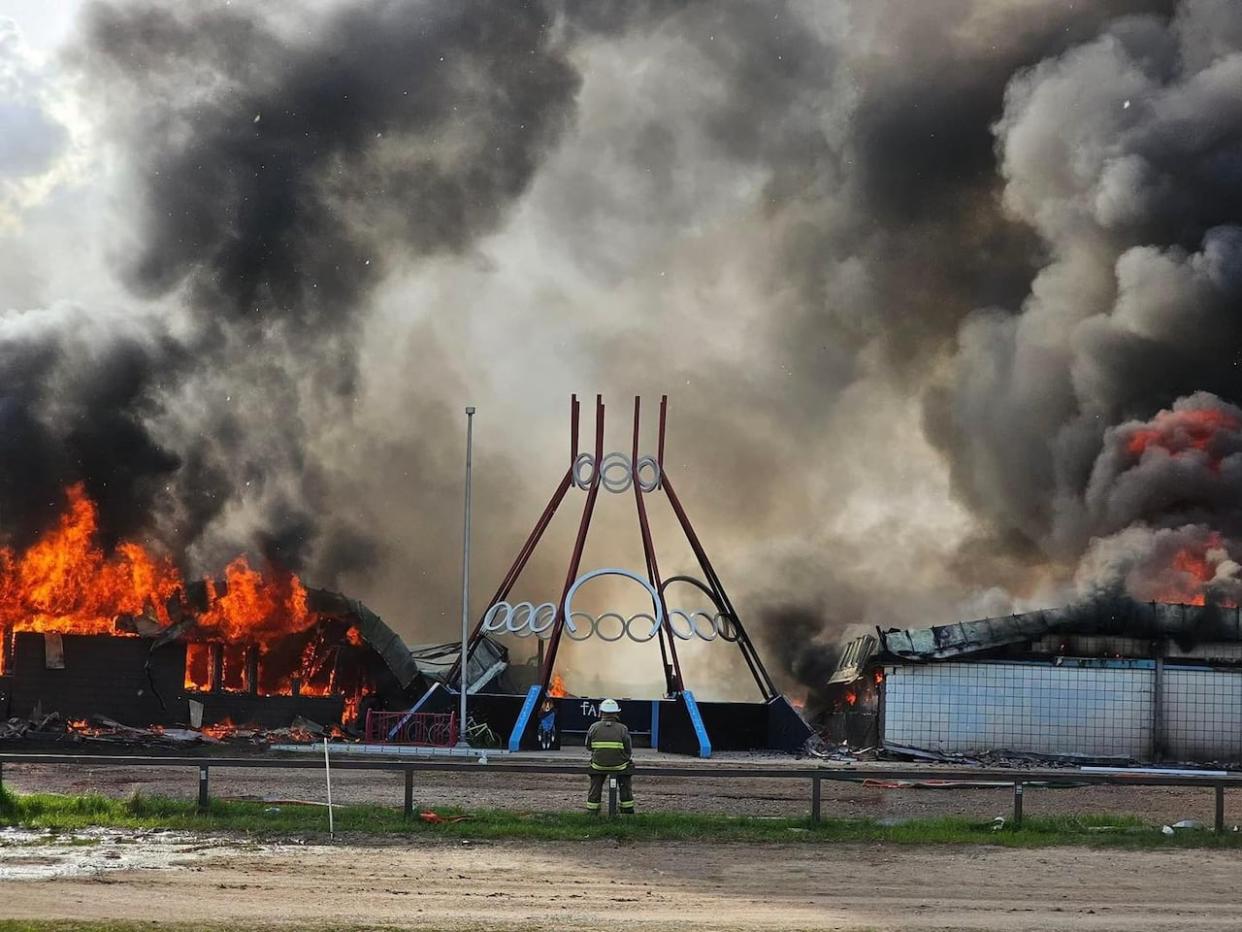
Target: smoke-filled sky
{"x": 945, "y": 294}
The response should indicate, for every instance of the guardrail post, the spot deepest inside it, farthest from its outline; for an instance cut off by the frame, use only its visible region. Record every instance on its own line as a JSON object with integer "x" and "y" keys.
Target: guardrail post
{"x": 1, "y": 776}
{"x": 1017, "y": 804}
{"x": 1220, "y": 807}
{"x": 612, "y": 797}
{"x": 202, "y": 787}
{"x": 815, "y": 799}
{"x": 409, "y": 792}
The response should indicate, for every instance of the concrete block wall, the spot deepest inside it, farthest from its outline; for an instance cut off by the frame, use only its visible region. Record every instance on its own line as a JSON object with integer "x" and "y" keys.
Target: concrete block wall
{"x": 1202, "y": 717}
{"x": 1096, "y": 709}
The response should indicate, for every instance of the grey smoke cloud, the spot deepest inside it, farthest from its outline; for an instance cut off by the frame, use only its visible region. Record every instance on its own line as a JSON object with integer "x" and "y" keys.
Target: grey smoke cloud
{"x": 1118, "y": 153}
{"x": 277, "y": 175}
{"x": 912, "y": 274}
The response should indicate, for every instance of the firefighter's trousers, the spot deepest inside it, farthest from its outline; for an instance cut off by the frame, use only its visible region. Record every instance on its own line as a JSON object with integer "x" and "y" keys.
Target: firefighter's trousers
{"x": 625, "y": 790}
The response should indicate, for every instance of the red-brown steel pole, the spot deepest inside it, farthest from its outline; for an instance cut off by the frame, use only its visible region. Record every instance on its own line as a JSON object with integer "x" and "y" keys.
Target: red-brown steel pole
{"x": 675, "y": 683}
{"x": 573, "y": 430}
{"x": 575, "y": 560}
{"x": 663, "y": 422}
{"x": 749, "y": 653}
{"x": 664, "y": 666}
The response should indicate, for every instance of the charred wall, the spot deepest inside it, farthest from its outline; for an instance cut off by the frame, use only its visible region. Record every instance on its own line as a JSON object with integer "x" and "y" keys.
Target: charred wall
{"x": 118, "y": 677}
{"x": 123, "y": 679}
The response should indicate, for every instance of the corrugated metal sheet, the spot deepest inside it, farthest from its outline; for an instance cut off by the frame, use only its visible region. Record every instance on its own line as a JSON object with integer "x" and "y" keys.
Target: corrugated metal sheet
{"x": 487, "y": 662}
{"x": 854, "y": 659}
{"x": 1113, "y": 616}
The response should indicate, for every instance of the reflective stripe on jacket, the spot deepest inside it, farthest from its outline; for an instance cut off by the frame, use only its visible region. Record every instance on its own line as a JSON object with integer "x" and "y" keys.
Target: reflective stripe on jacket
{"x": 609, "y": 742}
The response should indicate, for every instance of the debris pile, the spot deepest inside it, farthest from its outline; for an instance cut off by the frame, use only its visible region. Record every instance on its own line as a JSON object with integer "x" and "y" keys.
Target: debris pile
{"x": 18, "y": 728}
{"x": 101, "y": 730}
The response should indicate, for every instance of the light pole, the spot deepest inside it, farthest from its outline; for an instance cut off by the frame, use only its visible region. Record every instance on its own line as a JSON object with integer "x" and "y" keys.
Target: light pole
{"x": 464, "y": 679}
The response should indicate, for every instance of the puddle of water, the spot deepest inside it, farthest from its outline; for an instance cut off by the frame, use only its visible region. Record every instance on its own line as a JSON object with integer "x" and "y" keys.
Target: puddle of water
{"x": 33, "y": 854}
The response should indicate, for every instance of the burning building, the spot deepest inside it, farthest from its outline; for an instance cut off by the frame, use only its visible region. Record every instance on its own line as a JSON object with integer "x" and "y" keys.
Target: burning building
{"x": 1111, "y": 678}
{"x": 124, "y": 636}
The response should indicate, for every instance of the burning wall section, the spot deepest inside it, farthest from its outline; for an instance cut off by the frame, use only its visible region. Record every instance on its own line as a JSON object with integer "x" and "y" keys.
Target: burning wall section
{"x": 122, "y": 634}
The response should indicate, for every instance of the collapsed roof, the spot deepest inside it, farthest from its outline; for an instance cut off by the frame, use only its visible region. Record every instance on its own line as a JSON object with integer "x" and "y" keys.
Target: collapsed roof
{"x": 378, "y": 636}
{"x": 406, "y": 663}
{"x": 1119, "y": 617}
{"x": 487, "y": 662}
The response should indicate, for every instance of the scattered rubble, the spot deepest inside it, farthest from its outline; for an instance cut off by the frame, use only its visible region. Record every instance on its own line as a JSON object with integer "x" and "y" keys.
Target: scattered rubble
{"x": 820, "y": 748}
{"x": 53, "y": 729}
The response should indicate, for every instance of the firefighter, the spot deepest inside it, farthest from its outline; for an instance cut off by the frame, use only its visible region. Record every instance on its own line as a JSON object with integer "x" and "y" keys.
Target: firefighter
{"x": 611, "y": 756}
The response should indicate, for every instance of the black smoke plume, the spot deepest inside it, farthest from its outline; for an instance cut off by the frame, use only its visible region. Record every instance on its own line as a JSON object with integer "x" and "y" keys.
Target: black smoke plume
{"x": 956, "y": 254}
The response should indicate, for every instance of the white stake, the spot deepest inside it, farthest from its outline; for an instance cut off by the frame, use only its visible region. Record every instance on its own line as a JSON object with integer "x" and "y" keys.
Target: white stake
{"x": 327, "y": 772}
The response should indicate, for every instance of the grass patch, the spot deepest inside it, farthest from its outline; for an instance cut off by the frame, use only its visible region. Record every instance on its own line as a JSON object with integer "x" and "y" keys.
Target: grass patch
{"x": 69, "y": 813}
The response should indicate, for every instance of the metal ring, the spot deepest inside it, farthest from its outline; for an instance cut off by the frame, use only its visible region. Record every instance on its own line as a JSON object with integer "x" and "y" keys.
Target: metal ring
{"x": 585, "y": 474}
{"x": 613, "y": 462}
{"x": 513, "y": 626}
{"x": 489, "y": 618}
{"x": 652, "y": 631}
{"x": 698, "y": 629}
{"x": 570, "y": 627}
{"x": 599, "y": 629}
{"x": 652, "y": 484}
{"x": 584, "y": 459}
{"x": 547, "y": 628}
{"x": 526, "y": 618}
{"x": 672, "y": 628}
{"x": 567, "y": 607}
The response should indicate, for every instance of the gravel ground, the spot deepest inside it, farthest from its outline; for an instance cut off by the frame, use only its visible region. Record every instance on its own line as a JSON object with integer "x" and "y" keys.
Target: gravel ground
{"x": 476, "y": 788}
{"x": 644, "y": 887}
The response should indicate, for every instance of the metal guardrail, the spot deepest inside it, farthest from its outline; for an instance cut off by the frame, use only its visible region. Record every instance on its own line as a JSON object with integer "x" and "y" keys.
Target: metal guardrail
{"x": 1216, "y": 781}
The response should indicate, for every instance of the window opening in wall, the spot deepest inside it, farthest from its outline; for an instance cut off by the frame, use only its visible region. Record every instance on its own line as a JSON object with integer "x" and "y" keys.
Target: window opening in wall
{"x": 198, "y": 667}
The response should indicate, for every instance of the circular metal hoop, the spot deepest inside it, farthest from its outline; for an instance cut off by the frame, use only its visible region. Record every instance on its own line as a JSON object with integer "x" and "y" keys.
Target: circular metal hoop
{"x": 652, "y": 482}
{"x": 572, "y": 627}
{"x": 526, "y": 618}
{"x": 616, "y": 473}
{"x": 584, "y": 459}
{"x": 622, "y": 621}
{"x": 652, "y": 630}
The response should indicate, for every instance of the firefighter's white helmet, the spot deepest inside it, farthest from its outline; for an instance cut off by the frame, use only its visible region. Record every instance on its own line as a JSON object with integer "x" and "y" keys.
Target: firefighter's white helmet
{"x": 609, "y": 705}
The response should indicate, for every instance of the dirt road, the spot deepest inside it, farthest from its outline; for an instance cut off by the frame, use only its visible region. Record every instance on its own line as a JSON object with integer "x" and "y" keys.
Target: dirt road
{"x": 651, "y": 887}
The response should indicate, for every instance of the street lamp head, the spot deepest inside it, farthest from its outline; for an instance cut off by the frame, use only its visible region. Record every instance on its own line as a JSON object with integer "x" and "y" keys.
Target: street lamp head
{"x": 470, "y": 409}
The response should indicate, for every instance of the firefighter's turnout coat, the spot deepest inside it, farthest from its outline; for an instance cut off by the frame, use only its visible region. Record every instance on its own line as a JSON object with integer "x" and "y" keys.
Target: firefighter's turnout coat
{"x": 611, "y": 750}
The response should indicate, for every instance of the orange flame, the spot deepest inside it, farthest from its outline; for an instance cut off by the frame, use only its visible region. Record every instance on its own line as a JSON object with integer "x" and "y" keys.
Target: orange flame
{"x": 221, "y": 729}
{"x": 353, "y": 705}
{"x": 253, "y": 606}
{"x": 1195, "y": 566}
{"x": 557, "y": 687}
{"x": 851, "y": 697}
{"x": 1179, "y": 432}
{"x": 198, "y": 667}
{"x": 65, "y": 583}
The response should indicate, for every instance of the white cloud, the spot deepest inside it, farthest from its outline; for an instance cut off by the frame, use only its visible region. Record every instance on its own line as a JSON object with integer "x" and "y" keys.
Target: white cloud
{"x": 34, "y": 141}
